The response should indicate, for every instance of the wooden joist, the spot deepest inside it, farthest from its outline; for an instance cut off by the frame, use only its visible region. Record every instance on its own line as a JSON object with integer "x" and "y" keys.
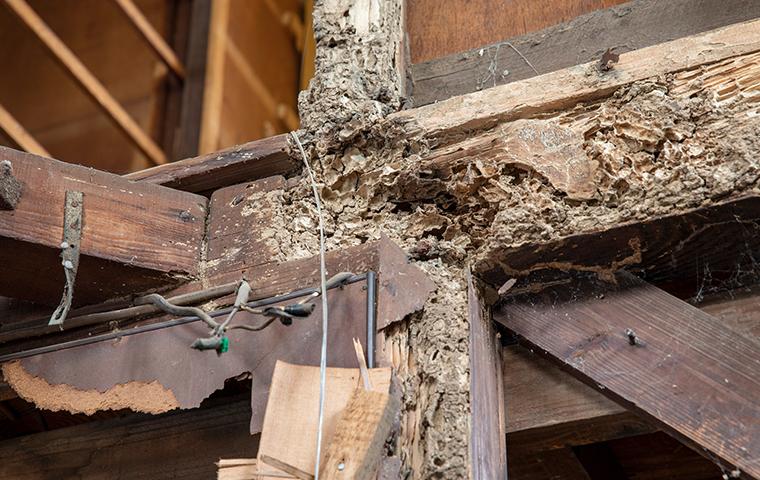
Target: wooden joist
{"x": 488, "y": 451}
{"x": 250, "y": 161}
{"x": 657, "y": 355}
{"x": 548, "y": 409}
{"x": 633, "y": 25}
{"x": 135, "y": 236}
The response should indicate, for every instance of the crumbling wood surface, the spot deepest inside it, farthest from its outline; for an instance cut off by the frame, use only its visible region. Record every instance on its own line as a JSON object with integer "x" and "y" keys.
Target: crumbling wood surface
{"x": 135, "y": 236}
{"x": 488, "y": 449}
{"x": 175, "y": 445}
{"x": 249, "y": 161}
{"x": 677, "y": 249}
{"x": 633, "y": 25}
{"x": 697, "y": 380}
{"x": 548, "y": 409}
{"x": 450, "y": 119}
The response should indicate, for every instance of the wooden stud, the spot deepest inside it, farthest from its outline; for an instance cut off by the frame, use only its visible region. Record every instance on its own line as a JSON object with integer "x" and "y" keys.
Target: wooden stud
{"x": 87, "y": 80}
{"x": 154, "y": 39}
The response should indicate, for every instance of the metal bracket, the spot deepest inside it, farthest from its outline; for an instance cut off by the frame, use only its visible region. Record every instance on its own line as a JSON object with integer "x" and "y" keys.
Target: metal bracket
{"x": 73, "y": 217}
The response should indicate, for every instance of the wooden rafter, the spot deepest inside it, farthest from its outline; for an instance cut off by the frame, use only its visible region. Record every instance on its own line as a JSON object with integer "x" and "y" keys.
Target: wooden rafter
{"x": 19, "y": 134}
{"x": 77, "y": 70}
{"x": 658, "y": 355}
{"x": 152, "y": 37}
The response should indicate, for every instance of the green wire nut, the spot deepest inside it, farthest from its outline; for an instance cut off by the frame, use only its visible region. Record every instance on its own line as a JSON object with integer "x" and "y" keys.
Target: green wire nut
{"x": 224, "y": 346}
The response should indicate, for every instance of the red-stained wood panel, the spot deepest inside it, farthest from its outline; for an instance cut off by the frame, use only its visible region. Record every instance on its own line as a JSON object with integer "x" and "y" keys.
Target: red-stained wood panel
{"x": 437, "y": 28}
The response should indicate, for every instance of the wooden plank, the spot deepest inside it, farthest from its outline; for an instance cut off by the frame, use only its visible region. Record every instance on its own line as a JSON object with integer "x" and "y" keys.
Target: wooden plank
{"x": 19, "y": 134}
{"x": 356, "y": 448}
{"x": 174, "y": 445}
{"x": 214, "y": 79}
{"x": 548, "y": 409}
{"x": 736, "y": 309}
{"x": 289, "y": 433}
{"x": 87, "y": 80}
{"x": 451, "y": 120}
{"x": 258, "y": 159}
{"x": 155, "y": 41}
{"x": 441, "y": 28}
{"x": 136, "y": 236}
{"x": 488, "y": 450}
{"x": 697, "y": 380}
{"x": 627, "y": 27}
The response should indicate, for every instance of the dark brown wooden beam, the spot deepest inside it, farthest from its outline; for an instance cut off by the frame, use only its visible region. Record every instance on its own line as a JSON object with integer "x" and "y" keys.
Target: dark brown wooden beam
{"x": 135, "y": 236}
{"x": 626, "y": 27}
{"x": 675, "y": 251}
{"x": 548, "y": 409}
{"x": 488, "y": 451}
{"x": 174, "y": 445}
{"x": 695, "y": 379}
{"x": 250, "y": 161}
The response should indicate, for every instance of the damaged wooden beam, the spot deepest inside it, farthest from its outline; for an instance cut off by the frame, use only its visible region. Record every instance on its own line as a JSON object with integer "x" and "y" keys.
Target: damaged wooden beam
{"x": 655, "y": 354}
{"x": 134, "y": 236}
{"x": 633, "y": 25}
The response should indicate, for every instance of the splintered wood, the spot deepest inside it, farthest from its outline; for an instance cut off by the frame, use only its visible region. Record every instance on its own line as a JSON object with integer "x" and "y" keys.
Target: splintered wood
{"x": 289, "y": 435}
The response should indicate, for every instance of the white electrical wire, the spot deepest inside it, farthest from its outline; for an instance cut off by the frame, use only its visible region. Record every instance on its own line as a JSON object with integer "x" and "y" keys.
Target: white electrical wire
{"x": 323, "y": 289}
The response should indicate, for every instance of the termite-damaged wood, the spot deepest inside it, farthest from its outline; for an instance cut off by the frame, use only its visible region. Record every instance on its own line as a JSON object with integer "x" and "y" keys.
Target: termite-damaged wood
{"x": 627, "y": 27}
{"x": 10, "y": 187}
{"x": 658, "y": 355}
{"x": 135, "y": 236}
{"x": 451, "y": 120}
{"x": 676, "y": 249}
{"x": 253, "y": 160}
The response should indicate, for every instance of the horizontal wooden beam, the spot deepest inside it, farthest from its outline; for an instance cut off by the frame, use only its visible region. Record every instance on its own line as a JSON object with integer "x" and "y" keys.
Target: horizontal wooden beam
{"x": 657, "y": 355}
{"x": 451, "y": 120}
{"x": 668, "y": 250}
{"x": 85, "y": 79}
{"x": 135, "y": 236}
{"x": 175, "y": 445}
{"x": 250, "y": 161}
{"x": 627, "y": 27}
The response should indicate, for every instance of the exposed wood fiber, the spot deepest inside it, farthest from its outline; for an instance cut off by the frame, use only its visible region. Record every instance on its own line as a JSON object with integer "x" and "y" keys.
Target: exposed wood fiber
{"x": 146, "y": 397}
